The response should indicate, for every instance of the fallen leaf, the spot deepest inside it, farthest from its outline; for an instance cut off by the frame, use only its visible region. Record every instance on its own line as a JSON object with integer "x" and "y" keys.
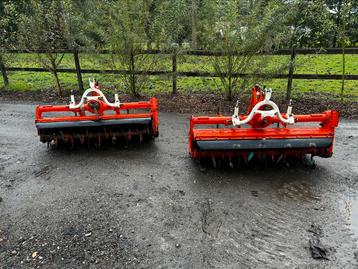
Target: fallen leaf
{"x": 88, "y": 234}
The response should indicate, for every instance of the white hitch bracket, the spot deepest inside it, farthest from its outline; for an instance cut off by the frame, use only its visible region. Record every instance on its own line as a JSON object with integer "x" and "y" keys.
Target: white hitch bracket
{"x": 87, "y": 97}
{"x": 275, "y": 111}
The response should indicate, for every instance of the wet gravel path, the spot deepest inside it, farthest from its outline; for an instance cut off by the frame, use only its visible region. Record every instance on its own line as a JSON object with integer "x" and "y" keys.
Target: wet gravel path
{"x": 151, "y": 206}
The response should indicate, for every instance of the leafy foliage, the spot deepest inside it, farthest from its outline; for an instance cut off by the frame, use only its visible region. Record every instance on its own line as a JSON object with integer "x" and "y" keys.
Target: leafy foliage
{"x": 51, "y": 25}
{"x": 243, "y": 27}
{"x": 241, "y": 36}
{"x": 126, "y": 32}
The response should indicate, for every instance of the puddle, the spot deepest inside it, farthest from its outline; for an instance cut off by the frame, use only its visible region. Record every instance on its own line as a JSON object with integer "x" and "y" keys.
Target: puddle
{"x": 298, "y": 191}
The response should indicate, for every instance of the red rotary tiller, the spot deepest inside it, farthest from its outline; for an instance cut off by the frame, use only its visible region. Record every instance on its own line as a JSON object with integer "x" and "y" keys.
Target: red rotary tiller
{"x": 96, "y": 119}
{"x": 262, "y": 134}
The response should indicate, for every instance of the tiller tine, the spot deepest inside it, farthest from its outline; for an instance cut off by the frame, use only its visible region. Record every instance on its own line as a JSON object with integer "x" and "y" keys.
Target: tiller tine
{"x": 95, "y": 120}
{"x": 262, "y": 134}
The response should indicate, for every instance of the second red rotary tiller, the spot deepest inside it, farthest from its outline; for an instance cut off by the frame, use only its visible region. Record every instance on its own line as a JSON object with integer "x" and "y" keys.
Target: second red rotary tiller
{"x": 263, "y": 133}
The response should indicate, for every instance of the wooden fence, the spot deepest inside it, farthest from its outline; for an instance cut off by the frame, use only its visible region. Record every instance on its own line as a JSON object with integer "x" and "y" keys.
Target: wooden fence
{"x": 174, "y": 73}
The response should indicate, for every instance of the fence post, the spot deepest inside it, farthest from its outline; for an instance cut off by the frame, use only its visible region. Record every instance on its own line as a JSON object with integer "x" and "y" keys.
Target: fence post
{"x": 174, "y": 71}
{"x": 290, "y": 73}
{"x": 3, "y": 72}
{"x": 78, "y": 68}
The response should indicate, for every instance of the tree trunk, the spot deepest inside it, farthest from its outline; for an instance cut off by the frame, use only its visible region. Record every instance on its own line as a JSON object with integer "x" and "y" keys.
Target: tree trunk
{"x": 229, "y": 92}
{"x": 343, "y": 34}
{"x": 193, "y": 25}
{"x": 343, "y": 73}
{"x": 149, "y": 44}
{"x": 3, "y": 72}
{"x": 57, "y": 80}
{"x": 55, "y": 74}
{"x": 251, "y": 4}
{"x": 132, "y": 76}
{"x": 338, "y": 22}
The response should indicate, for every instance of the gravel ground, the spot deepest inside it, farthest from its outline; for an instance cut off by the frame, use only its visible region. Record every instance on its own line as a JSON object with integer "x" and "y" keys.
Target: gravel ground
{"x": 151, "y": 206}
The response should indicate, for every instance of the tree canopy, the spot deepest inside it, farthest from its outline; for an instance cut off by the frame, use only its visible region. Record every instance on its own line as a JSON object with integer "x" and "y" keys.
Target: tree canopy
{"x": 162, "y": 23}
{"x": 238, "y": 28}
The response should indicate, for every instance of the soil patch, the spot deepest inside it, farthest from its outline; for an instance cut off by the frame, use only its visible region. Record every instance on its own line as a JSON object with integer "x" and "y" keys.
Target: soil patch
{"x": 210, "y": 103}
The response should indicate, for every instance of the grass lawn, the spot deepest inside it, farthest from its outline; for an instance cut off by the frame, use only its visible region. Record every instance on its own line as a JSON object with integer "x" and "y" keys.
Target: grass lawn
{"x": 306, "y": 64}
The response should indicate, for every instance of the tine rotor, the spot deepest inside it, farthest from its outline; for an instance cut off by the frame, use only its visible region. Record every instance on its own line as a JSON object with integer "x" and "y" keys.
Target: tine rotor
{"x": 230, "y": 163}
{"x": 62, "y": 136}
{"x": 219, "y": 162}
{"x": 82, "y": 139}
{"x": 250, "y": 156}
{"x": 309, "y": 161}
{"x": 126, "y": 142}
{"x": 100, "y": 135}
{"x": 201, "y": 165}
{"x": 213, "y": 161}
{"x": 287, "y": 164}
{"x": 98, "y": 144}
{"x": 129, "y": 134}
{"x": 72, "y": 141}
{"x": 279, "y": 159}
{"x": 106, "y": 135}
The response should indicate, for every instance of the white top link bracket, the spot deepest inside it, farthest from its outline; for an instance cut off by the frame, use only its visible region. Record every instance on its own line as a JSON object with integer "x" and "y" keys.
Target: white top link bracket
{"x": 275, "y": 111}
{"x": 87, "y": 97}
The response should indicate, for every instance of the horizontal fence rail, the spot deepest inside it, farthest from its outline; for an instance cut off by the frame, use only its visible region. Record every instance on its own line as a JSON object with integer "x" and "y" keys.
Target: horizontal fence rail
{"x": 197, "y": 52}
{"x": 185, "y": 74}
{"x": 174, "y": 53}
